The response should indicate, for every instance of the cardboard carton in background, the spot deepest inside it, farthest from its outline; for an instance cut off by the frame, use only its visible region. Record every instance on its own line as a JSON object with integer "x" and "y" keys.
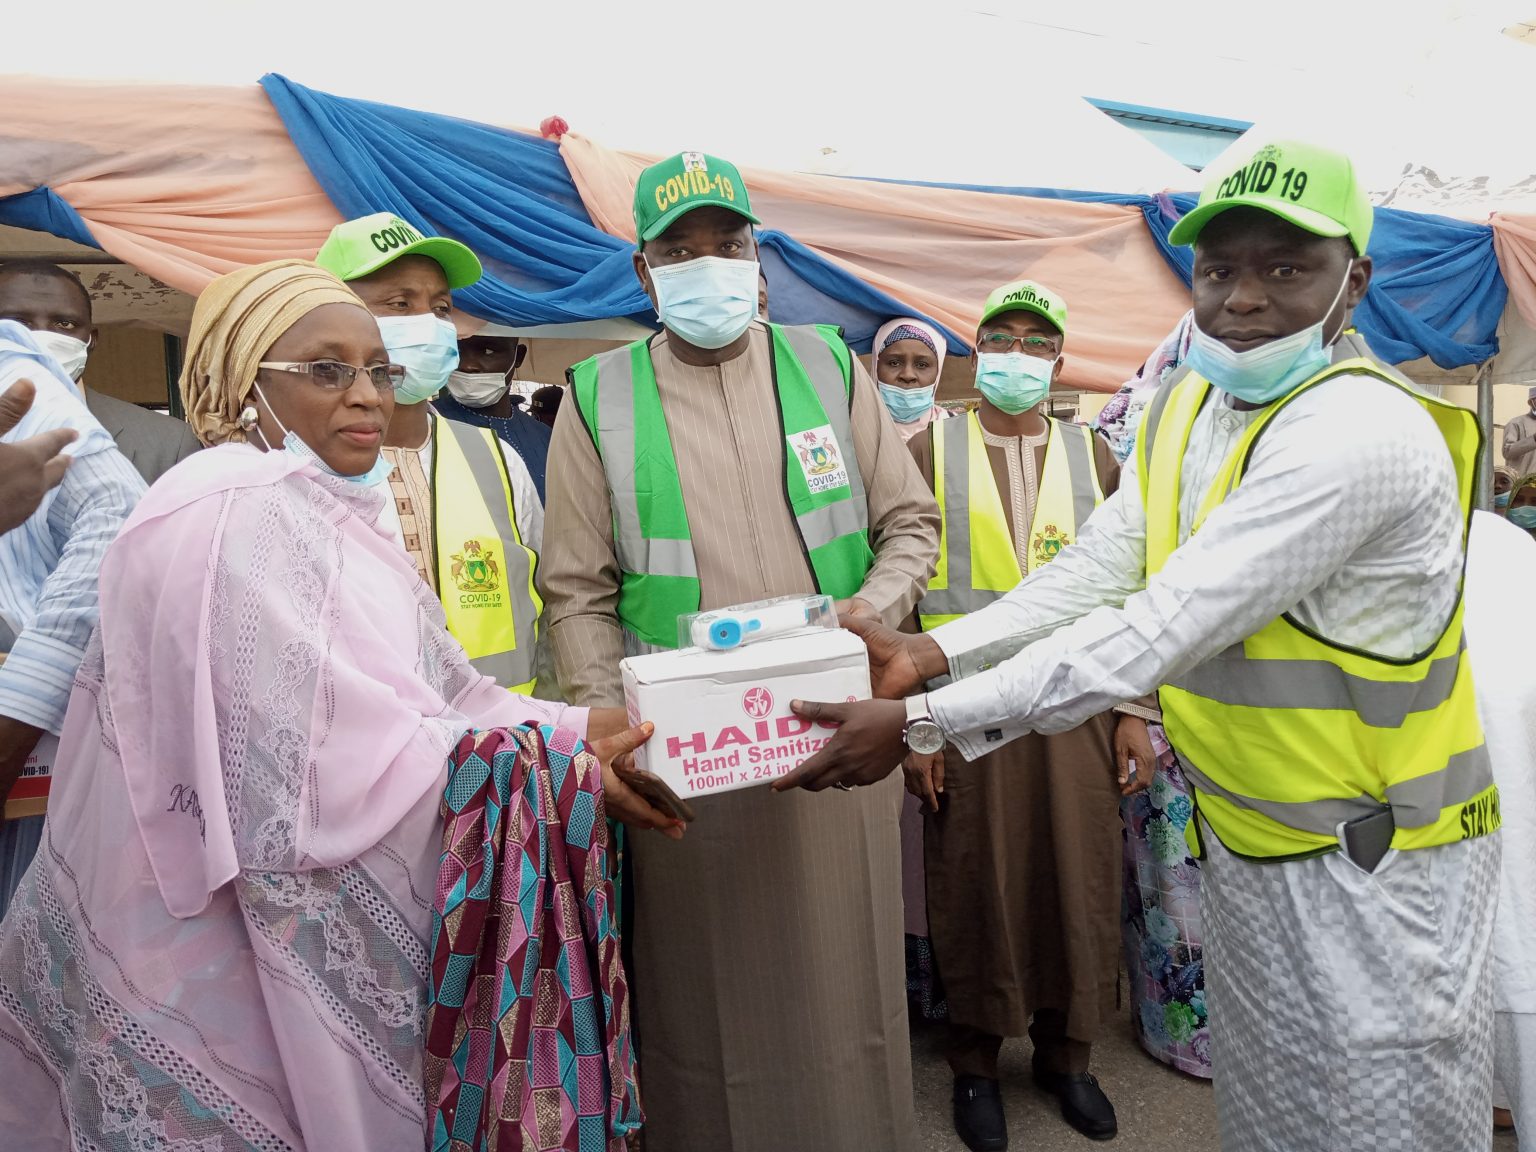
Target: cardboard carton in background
{"x": 722, "y": 718}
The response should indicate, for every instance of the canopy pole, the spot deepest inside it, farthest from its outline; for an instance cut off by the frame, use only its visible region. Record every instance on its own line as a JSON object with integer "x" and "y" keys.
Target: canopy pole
{"x": 1485, "y": 422}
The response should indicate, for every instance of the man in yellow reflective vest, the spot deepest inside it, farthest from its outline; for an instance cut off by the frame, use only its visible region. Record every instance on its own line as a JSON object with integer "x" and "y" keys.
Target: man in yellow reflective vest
{"x": 1285, "y": 564}
{"x": 465, "y": 506}
{"x": 720, "y": 461}
{"x": 1023, "y": 845}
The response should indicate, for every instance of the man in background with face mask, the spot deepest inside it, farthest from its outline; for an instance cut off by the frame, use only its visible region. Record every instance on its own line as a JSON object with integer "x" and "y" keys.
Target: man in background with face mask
{"x": 480, "y": 393}
{"x": 1023, "y": 853}
{"x": 1285, "y": 563}
{"x": 55, "y": 305}
{"x": 753, "y": 1038}
{"x": 465, "y": 507}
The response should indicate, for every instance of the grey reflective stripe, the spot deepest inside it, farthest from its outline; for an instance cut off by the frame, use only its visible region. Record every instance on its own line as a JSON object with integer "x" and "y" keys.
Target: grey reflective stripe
{"x": 823, "y": 525}
{"x": 1153, "y": 420}
{"x": 1320, "y": 817}
{"x": 955, "y": 601}
{"x": 1080, "y": 468}
{"x": 833, "y": 389}
{"x": 515, "y": 667}
{"x": 1415, "y": 803}
{"x": 958, "y": 597}
{"x": 1352, "y": 346}
{"x": 1349, "y": 346}
{"x": 616, "y": 440}
{"x": 1233, "y": 679}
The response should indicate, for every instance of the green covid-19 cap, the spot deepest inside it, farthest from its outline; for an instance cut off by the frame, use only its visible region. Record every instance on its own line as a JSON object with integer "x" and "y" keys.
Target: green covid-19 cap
{"x": 677, "y": 185}
{"x": 1314, "y": 188}
{"x": 1027, "y": 296}
{"x": 358, "y": 248}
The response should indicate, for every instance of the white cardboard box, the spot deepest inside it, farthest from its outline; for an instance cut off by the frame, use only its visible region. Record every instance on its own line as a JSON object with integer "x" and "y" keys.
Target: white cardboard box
{"x": 722, "y": 718}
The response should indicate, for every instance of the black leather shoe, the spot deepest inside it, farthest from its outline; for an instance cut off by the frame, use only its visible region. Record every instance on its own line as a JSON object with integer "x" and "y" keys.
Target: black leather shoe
{"x": 1083, "y": 1103}
{"x": 979, "y": 1114}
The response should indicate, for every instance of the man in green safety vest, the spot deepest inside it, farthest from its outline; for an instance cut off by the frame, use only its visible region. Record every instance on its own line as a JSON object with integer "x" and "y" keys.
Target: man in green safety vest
{"x": 464, "y": 505}
{"x": 721, "y": 461}
{"x": 1285, "y": 563}
{"x": 1022, "y": 854}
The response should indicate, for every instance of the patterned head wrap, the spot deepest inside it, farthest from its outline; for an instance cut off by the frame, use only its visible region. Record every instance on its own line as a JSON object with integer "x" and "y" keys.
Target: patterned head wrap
{"x": 907, "y": 328}
{"x": 238, "y": 317}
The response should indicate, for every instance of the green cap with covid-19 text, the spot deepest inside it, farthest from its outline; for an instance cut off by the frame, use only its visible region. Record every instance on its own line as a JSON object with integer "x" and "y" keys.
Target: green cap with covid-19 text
{"x": 1314, "y": 188}
{"x": 1028, "y": 296}
{"x": 677, "y": 185}
{"x": 358, "y": 248}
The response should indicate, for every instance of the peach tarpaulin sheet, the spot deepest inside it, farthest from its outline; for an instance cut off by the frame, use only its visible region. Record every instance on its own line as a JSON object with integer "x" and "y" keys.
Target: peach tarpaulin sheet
{"x": 1514, "y": 242}
{"x": 182, "y": 182}
{"x": 941, "y": 250}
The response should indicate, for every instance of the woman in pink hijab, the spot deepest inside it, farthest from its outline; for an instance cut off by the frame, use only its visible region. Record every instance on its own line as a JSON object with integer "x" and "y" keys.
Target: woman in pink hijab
{"x": 223, "y": 943}
{"x": 906, "y": 360}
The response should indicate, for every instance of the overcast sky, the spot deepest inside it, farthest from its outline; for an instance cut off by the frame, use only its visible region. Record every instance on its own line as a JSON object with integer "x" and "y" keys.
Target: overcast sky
{"x": 790, "y": 79}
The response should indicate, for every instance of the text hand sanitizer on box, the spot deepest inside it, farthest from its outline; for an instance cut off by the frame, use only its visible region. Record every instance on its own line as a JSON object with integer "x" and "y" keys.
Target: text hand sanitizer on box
{"x": 722, "y": 717}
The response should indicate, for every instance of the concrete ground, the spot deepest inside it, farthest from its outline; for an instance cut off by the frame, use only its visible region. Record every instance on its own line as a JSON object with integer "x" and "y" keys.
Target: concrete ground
{"x": 1159, "y": 1110}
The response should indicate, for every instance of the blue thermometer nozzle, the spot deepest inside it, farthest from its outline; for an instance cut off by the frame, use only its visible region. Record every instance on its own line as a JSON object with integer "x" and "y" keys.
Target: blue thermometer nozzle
{"x": 725, "y": 632}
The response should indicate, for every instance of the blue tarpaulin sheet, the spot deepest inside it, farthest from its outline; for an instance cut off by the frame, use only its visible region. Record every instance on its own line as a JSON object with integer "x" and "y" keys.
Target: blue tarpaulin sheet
{"x": 1437, "y": 290}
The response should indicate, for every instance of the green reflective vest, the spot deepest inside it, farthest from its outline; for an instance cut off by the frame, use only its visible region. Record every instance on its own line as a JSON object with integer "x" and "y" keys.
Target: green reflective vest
{"x": 1287, "y": 735}
{"x": 617, "y": 397}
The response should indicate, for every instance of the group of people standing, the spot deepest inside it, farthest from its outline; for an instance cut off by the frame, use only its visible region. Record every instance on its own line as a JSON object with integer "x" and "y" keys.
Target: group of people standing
{"x": 328, "y": 860}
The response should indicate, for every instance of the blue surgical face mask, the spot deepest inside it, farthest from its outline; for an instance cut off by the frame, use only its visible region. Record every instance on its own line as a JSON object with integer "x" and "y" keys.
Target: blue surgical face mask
{"x": 1524, "y": 517}
{"x": 708, "y": 301}
{"x": 296, "y": 447}
{"x": 1012, "y": 381}
{"x": 428, "y": 346}
{"x": 1501, "y": 499}
{"x": 907, "y": 405}
{"x": 1264, "y": 374}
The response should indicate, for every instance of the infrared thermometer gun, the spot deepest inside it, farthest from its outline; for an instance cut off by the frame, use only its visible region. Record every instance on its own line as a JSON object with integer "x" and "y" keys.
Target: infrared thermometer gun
{"x": 734, "y": 627}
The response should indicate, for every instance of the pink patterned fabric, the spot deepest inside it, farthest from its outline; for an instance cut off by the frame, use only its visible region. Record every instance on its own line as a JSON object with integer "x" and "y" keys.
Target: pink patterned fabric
{"x": 528, "y": 1036}
{"x": 222, "y": 943}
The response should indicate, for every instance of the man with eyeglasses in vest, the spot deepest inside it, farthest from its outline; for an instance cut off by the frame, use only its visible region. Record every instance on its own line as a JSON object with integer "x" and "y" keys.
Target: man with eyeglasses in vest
{"x": 1285, "y": 563}
{"x": 1022, "y": 847}
{"x": 464, "y": 505}
{"x": 768, "y": 951}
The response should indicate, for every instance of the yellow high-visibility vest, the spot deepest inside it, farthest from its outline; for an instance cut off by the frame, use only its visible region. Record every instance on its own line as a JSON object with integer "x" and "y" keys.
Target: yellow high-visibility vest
{"x": 484, "y": 570}
{"x": 977, "y": 559}
{"x": 1287, "y": 735}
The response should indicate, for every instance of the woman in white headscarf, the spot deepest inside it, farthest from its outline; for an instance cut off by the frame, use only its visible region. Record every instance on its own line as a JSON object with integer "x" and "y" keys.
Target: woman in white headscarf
{"x": 906, "y": 359}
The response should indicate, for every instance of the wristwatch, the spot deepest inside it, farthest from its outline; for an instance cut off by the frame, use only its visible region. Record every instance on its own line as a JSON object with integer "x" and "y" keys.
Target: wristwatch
{"x": 922, "y": 733}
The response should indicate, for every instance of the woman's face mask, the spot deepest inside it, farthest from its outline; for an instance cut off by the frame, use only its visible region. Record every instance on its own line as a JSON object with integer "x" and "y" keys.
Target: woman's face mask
{"x": 1524, "y": 517}
{"x": 336, "y": 421}
{"x": 907, "y": 405}
{"x": 295, "y": 446}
